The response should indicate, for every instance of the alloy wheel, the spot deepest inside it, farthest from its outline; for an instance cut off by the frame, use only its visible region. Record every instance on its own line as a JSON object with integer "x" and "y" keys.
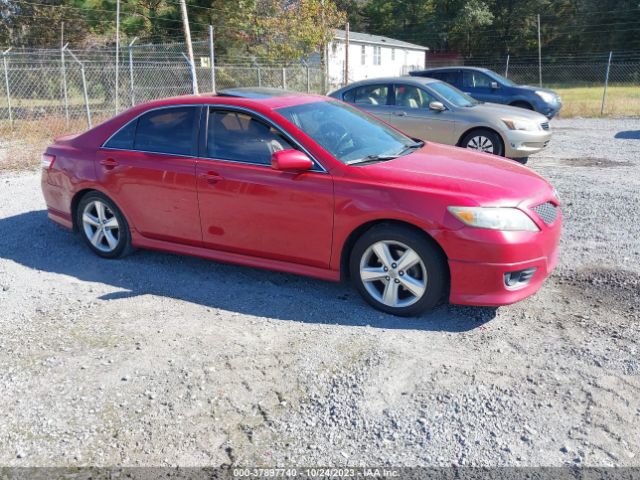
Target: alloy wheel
{"x": 480, "y": 142}
{"x": 393, "y": 273}
{"x": 101, "y": 226}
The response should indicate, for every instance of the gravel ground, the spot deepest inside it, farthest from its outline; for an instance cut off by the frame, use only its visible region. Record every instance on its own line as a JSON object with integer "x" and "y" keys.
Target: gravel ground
{"x": 159, "y": 359}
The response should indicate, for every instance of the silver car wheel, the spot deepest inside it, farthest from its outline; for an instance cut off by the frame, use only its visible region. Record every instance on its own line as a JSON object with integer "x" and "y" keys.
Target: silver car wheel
{"x": 393, "y": 273}
{"x": 101, "y": 226}
{"x": 480, "y": 142}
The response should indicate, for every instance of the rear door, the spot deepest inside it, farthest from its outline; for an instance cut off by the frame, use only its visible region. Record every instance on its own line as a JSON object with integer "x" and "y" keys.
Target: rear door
{"x": 148, "y": 168}
{"x": 247, "y": 207}
{"x": 412, "y": 115}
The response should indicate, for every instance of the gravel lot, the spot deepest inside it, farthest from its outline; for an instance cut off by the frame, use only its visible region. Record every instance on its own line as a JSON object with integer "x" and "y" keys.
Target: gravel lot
{"x": 159, "y": 359}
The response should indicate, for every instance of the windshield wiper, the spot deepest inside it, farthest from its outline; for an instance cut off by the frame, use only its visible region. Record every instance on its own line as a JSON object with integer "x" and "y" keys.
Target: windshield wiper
{"x": 371, "y": 159}
{"x": 411, "y": 146}
{"x": 383, "y": 158}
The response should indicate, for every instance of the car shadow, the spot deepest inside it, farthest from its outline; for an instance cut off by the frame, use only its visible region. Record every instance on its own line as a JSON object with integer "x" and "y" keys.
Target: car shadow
{"x": 32, "y": 240}
{"x": 628, "y": 135}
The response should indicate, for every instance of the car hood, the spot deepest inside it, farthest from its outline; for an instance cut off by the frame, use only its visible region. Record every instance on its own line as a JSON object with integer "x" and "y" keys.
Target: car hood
{"x": 537, "y": 89}
{"x": 499, "y": 111}
{"x": 483, "y": 179}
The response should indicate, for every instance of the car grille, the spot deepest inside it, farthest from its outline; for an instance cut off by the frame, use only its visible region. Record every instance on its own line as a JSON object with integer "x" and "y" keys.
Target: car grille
{"x": 548, "y": 212}
{"x": 545, "y": 125}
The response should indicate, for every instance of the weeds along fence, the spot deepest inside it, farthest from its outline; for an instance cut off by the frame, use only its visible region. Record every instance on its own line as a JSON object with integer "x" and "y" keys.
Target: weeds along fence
{"x": 45, "y": 93}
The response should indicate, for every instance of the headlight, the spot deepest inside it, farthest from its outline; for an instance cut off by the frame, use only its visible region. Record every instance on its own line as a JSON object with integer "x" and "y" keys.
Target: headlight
{"x": 494, "y": 218}
{"x": 546, "y": 96}
{"x": 520, "y": 124}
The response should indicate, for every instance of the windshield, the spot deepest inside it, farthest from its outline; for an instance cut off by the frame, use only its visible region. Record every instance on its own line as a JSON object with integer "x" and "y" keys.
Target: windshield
{"x": 452, "y": 94}
{"x": 501, "y": 79}
{"x": 348, "y": 134}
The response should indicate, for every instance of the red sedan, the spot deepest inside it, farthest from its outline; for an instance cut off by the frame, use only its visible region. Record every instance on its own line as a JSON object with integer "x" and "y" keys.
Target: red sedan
{"x": 307, "y": 185}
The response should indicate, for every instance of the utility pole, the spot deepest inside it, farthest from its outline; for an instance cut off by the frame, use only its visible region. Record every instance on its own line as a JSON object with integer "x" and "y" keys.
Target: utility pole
{"x": 346, "y": 54}
{"x": 117, "y": 50}
{"x": 187, "y": 38}
{"x": 539, "y": 55}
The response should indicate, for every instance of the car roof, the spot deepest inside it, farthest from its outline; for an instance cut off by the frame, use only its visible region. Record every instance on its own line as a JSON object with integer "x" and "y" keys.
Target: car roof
{"x": 270, "y": 98}
{"x": 453, "y": 67}
{"x": 404, "y": 79}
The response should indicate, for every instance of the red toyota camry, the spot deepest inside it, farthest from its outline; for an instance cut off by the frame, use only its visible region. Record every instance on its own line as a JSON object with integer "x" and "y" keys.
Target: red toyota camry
{"x": 308, "y": 185}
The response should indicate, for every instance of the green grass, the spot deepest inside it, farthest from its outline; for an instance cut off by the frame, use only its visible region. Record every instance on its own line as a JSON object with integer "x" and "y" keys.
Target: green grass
{"x": 621, "y": 101}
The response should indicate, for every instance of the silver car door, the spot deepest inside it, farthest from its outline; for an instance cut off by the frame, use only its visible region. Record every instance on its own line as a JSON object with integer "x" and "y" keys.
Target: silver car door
{"x": 412, "y": 115}
{"x": 372, "y": 98}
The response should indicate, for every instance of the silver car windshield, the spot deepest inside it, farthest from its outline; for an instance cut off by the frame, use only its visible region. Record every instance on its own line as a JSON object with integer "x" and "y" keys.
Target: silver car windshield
{"x": 453, "y": 95}
{"x": 347, "y": 133}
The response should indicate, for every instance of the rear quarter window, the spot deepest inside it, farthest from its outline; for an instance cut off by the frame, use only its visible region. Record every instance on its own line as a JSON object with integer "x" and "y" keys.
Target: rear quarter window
{"x": 123, "y": 139}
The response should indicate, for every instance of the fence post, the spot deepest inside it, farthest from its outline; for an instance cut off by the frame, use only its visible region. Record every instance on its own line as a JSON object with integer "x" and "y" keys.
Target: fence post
{"x": 131, "y": 91}
{"x": 506, "y": 68}
{"x": 211, "y": 60}
{"x": 6, "y": 82}
{"x": 284, "y": 78}
{"x": 308, "y": 80}
{"x": 606, "y": 84}
{"x": 259, "y": 77}
{"x": 84, "y": 87}
{"x": 192, "y": 70}
{"x": 63, "y": 72}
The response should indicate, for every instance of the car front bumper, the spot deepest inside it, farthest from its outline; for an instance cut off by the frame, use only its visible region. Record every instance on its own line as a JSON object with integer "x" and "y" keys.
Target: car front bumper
{"x": 480, "y": 258}
{"x": 520, "y": 143}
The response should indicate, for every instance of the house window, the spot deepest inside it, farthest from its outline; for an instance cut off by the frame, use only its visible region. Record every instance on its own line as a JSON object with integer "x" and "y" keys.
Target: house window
{"x": 363, "y": 55}
{"x": 377, "y": 53}
{"x": 393, "y": 54}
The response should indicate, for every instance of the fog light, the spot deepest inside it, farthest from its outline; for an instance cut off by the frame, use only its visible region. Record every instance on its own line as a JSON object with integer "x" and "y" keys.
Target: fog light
{"x": 519, "y": 277}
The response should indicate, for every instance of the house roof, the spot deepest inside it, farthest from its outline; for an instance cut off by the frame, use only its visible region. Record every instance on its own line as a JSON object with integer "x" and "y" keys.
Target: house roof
{"x": 378, "y": 40}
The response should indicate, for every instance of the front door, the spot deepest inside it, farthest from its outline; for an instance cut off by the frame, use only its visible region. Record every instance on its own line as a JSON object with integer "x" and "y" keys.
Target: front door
{"x": 149, "y": 168}
{"x": 247, "y": 207}
{"x": 412, "y": 115}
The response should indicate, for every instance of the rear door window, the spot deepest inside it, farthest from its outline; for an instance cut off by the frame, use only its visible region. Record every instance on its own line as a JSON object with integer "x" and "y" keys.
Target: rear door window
{"x": 167, "y": 130}
{"x": 368, "y": 95}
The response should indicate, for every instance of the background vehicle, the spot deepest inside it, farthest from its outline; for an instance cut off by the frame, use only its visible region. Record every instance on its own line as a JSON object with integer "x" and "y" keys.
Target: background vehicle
{"x": 433, "y": 110}
{"x": 308, "y": 185}
{"x": 488, "y": 86}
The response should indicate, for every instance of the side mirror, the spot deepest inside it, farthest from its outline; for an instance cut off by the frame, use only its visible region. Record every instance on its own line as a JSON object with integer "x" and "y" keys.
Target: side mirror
{"x": 290, "y": 161}
{"x": 437, "y": 106}
{"x": 494, "y": 85}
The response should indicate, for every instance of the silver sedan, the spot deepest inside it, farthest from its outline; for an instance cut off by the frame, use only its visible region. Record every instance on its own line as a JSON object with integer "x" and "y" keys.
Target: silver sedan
{"x": 429, "y": 109}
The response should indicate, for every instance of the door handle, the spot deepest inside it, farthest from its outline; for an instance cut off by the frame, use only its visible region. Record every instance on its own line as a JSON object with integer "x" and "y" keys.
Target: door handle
{"x": 109, "y": 163}
{"x": 211, "y": 177}
{"x": 400, "y": 114}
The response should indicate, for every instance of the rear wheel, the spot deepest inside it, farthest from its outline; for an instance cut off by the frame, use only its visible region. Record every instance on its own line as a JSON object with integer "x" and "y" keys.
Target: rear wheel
{"x": 483, "y": 140}
{"x": 397, "y": 270}
{"x": 103, "y": 226}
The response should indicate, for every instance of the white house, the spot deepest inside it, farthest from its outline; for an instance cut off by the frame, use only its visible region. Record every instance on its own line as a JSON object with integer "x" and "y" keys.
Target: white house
{"x": 371, "y": 56}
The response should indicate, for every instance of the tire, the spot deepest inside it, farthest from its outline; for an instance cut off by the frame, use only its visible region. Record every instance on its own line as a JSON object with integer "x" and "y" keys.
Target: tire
{"x": 483, "y": 140}
{"x": 428, "y": 275}
{"x": 113, "y": 238}
{"x": 525, "y": 105}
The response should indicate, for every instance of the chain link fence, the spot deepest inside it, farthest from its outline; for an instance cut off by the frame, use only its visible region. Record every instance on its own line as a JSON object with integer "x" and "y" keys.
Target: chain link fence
{"x": 46, "y": 93}
{"x": 590, "y": 84}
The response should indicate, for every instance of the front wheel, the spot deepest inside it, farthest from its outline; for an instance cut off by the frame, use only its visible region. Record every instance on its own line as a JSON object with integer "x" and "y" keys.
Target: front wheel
{"x": 483, "y": 140}
{"x": 397, "y": 270}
